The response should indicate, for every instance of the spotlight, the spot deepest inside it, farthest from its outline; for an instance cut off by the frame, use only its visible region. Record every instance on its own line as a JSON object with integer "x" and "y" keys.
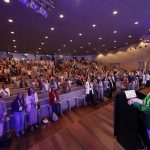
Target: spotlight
{"x": 7, "y": 1}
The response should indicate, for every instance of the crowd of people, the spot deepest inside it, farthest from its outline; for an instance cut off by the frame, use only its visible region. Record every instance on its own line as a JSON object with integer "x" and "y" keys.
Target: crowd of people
{"x": 100, "y": 83}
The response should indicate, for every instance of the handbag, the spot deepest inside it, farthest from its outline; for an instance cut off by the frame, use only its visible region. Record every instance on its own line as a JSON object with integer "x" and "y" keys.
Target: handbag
{"x": 54, "y": 117}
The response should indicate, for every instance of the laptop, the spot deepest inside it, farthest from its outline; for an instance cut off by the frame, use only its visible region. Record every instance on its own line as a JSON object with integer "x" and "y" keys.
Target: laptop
{"x": 131, "y": 95}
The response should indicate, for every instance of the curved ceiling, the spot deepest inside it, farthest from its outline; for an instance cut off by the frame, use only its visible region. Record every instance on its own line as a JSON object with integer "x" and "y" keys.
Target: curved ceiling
{"x": 88, "y": 26}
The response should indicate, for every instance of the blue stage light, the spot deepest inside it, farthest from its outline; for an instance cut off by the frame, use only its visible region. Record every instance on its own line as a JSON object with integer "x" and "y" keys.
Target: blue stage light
{"x": 38, "y": 6}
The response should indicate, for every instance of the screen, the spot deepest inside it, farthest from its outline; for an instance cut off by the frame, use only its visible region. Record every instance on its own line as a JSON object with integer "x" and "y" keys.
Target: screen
{"x": 130, "y": 94}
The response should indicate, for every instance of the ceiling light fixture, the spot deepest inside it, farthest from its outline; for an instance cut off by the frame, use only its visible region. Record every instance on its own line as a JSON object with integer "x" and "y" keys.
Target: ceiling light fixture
{"x": 15, "y": 46}
{"x": 94, "y": 25}
{"x": 130, "y": 36}
{"x": 100, "y": 38}
{"x": 80, "y": 34}
{"x": 39, "y": 6}
{"x": 46, "y": 37}
{"x": 115, "y": 12}
{"x": 12, "y": 32}
{"x": 7, "y": 1}
{"x": 136, "y": 23}
{"x": 52, "y": 29}
{"x": 10, "y": 20}
{"x": 70, "y": 40}
{"x": 61, "y": 16}
{"x": 42, "y": 43}
{"x": 39, "y": 47}
{"x": 14, "y": 40}
{"x": 115, "y": 41}
{"x": 115, "y": 31}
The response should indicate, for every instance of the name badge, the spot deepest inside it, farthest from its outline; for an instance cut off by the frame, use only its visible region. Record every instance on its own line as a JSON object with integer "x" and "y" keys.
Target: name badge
{"x": 20, "y": 108}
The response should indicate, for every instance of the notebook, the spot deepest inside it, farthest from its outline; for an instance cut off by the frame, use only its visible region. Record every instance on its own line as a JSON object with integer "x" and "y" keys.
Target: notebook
{"x": 131, "y": 95}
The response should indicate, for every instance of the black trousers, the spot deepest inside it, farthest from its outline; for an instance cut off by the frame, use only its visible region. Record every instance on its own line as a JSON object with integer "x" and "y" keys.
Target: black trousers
{"x": 90, "y": 98}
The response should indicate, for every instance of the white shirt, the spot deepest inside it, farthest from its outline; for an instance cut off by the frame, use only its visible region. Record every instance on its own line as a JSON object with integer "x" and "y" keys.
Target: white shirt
{"x": 89, "y": 87}
{"x": 28, "y": 101}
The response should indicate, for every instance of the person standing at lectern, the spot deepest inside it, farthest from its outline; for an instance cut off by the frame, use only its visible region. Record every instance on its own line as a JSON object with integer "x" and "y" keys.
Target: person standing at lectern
{"x": 145, "y": 108}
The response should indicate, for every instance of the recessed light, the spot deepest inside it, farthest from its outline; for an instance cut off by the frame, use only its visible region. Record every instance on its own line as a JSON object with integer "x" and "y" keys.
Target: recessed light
{"x": 15, "y": 51}
{"x": 136, "y": 22}
{"x": 39, "y": 47}
{"x": 141, "y": 39}
{"x": 15, "y": 46}
{"x": 7, "y": 1}
{"x": 81, "y": 47}
{"x": 130, "y": 36}
{"x": 37, "y": 52}
{"x": 64, "y": 45}
{"x": 103, "y": 45}
{"x": 114, "y": 46}
{"x": 46, "y": 37}
{"x": 94, "y": 25}
{"x": 61, "y": 16}
{"x": 26, "y": 54}
{"x": 89, "y": 43}
{"x": 70, "y": 40}
{"x": 115, "y": 41}
{"x": 115, "y": 31}
{"x": 12, "y": 32}
{"x": 14, "y": 40}
{"x": 52, "y": 29}
{"x": 74, "y": 51}
{"x": 42, "y": 43}
{"x": 59, "y": 50}
{"x": 115, "y": 12}
{"x": 149, "y": 30}
{"x": 10, "y": 20}
{"x": 100, "y": 38}
{"x": 80, "y": 34}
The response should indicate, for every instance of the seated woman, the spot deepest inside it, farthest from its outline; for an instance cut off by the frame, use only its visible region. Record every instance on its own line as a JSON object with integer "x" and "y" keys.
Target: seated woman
{"x": 18, "y": 109}
{"x": 31, "y": 101}
{"x": 4, "y": 92}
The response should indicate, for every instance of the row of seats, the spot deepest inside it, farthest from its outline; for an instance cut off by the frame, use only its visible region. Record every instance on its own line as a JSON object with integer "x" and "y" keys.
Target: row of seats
{"x": 67, "y": 102}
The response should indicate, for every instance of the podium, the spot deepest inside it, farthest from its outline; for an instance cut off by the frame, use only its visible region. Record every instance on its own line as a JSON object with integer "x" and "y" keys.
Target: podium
{"x": 128, "y": 125}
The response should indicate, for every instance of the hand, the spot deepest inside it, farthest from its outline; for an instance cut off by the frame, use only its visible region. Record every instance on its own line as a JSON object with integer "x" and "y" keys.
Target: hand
{"x": 130, "y": 102}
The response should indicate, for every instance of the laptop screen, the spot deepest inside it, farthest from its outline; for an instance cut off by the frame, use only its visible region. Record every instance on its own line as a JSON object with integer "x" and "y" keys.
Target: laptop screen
{"x": 130, "y": 94}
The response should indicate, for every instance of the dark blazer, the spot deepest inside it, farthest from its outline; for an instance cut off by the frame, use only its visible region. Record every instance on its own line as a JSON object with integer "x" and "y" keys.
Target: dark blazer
{"x": 15, "y": 105}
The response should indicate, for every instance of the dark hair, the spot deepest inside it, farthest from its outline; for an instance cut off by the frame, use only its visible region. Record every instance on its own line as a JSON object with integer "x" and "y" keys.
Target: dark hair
{"x": 19, "y": 93}
{"x": 29, "y": 91}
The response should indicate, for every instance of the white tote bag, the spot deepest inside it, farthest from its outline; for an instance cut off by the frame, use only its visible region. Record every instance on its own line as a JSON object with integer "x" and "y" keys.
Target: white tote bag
{"x": 54, "y": 117}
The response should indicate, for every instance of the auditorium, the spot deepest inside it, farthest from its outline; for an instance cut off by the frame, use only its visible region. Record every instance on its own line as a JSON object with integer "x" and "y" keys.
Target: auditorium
{"x": 74, "y": 74}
